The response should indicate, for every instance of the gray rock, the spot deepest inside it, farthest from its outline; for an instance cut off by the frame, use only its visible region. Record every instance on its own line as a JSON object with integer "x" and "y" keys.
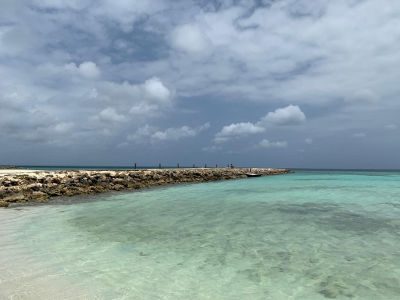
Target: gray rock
{"x": 39, "y": 196}
{"x": 4, "y": 203}
{"x": 18, "y": 197}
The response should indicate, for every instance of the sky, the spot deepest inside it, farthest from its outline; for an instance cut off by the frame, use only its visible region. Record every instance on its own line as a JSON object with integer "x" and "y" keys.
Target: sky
{"x": 279, "y": 83}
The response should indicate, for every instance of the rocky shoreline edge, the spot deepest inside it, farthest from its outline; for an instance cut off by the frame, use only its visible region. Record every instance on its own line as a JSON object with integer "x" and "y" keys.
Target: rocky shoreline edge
{"x": 40, "y": 186}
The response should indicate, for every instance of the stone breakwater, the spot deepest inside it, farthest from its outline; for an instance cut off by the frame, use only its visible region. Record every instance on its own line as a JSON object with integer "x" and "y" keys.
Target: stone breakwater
{"x": 41, "y": 186}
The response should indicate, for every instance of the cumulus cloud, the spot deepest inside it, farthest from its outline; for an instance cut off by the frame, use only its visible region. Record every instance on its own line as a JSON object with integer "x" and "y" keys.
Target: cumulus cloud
{"x": 144, "y": 109}
{"x": 175, "y": 134}
{"x": 237, "y": 130}
{"x": 64, "y": 127}
{"x": 190, "y": 38}
{"x": 109, "y": 114}
{"x": 87, "y": 69}
{"x": 285, "y": 50}
{"x": 95, "y": 106}
{"x": 155, "y": 62}
{"x": 124, "y": 101}
{"x": 152, "y": 134}
{"x": 290, "y": 115}
{"x": 157, "y": 90}
{"x": 147, "y": 96}
{"x": 267, "y": 144}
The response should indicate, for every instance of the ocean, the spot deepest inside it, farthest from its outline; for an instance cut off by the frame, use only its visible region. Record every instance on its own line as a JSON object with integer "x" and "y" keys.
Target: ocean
{"x": 307, "y": 235}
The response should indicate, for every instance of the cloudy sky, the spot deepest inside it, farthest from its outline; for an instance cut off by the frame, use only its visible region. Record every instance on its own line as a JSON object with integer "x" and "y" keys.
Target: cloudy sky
{"x": 287, "y": 83}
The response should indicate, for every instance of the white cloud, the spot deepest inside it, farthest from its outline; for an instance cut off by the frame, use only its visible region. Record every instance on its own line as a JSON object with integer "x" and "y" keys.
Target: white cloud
{"x": 148, "y": 95}
{"x": 148, "y": 133}
{"x": 190, "y": 38}
{"x": 157, "y": 90}
{"x": 109, "y": 114}
{"x": 174, "y": 134}
{"x": 142, "y": 101}
{"x": 64, "y": 127}
{"x": 143, "y": 109}
{"x": 88, "y": 103}
{"x": 237, "y": 130}
{"x": 290, "y": 115}
{"x": 284, "y": 52}
{"x": 87, "y": 69}
{"x": 267, "y": 144}
{"x": 290, "y": 52}
{"x": 308, "y": 141}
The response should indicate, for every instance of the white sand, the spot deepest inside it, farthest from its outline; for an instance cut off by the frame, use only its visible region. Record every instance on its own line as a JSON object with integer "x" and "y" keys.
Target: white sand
{"x": 5, "y": 172}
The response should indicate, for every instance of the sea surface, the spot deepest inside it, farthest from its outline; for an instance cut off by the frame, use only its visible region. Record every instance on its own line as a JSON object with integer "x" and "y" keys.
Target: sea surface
{"x": 308, "y": 235}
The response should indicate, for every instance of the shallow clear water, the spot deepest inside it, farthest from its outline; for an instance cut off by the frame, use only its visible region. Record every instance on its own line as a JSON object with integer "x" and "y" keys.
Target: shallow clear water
{"x": 309, "y": 235}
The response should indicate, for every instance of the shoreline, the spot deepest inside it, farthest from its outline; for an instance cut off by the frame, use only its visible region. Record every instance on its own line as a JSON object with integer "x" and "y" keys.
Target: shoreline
{"x": 19, "y": 186}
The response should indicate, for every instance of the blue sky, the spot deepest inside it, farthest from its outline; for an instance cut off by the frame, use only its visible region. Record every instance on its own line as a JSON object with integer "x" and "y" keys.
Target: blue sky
{"x": 289, "y": 83}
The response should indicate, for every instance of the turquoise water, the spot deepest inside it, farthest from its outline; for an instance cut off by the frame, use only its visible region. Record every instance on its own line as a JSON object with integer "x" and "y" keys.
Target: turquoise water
{"x": 309, "y": 235}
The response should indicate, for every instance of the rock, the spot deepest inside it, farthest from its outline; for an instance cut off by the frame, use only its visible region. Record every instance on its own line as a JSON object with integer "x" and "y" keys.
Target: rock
{"x": 56, "y": 180}
{"x": 118, "y": 187}
{"x": 40, "y": 186}
{"x": 68, "y": 191}
{"x": 4, "y": 203}
{"x": 96, "y": 189}
{"x": 18, "y": 197}
{"x": 3, "y": 192}
{"x": 118, "y": 181}
{"x": 34, "y": 186}
{"x": 39, "y": 196}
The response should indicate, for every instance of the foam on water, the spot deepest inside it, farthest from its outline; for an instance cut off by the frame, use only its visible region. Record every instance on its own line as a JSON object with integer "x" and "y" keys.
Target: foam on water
{"x": 310, "y": 235}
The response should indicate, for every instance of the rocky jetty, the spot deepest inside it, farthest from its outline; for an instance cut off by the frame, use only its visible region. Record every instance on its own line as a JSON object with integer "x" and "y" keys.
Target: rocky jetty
{"x": 41, "y": 186}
